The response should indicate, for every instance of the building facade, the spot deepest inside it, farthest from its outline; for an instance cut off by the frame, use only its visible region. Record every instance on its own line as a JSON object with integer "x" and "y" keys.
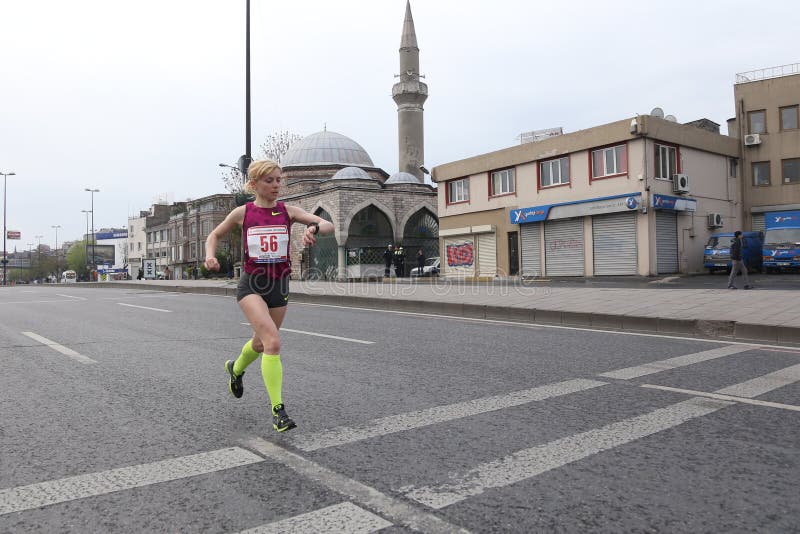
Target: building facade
{"x": 767, "y": 126}
{"x": 638, "y": 196}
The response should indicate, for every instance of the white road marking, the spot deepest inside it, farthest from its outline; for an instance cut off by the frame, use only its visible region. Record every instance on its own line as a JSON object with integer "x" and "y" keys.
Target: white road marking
{"x": 60, "y": 348}
{"x": 672, "y": 363}
{"x": 557, "y": 327}
{"x": 144, "y": 307}
{"x": 438, "y": 414}
{"x": 344, "y": 517}
{"x": 323, "y": 335}
{"x": 71, "y": 297}
{"x": 398, "y": 511}
{"x": 528, "y": 463}
{"x": 763, "y": 384}
{"x": 36, "y": 301}
{"x": 103, "y": 482}
{"x": 718, "y": 396}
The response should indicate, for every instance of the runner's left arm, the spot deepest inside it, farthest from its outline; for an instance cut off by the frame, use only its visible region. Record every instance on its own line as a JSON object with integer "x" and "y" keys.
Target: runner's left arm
{"x": 300, "y": 215}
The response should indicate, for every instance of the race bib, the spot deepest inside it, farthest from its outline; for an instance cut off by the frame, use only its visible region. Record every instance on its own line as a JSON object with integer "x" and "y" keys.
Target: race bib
{"x": 268, "y": 244}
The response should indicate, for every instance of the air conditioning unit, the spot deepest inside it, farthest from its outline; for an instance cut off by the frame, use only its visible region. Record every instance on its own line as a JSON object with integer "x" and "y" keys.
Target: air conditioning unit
{"x": 752, "y": 139}
{"x": 680, "y": 183}
{"x": 714, "y": 220}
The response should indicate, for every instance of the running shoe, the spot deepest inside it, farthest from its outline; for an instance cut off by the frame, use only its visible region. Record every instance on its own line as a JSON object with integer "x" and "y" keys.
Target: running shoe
{"x": 280, "y": 420}
{"x": 235, "y": 385}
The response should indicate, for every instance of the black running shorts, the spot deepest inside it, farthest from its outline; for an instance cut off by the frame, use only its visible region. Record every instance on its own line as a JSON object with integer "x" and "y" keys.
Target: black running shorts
{"x": 274, "y": 291}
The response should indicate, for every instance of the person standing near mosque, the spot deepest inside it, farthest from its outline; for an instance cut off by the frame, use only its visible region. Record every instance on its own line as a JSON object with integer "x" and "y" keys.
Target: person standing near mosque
{"x": 263, "y": 289}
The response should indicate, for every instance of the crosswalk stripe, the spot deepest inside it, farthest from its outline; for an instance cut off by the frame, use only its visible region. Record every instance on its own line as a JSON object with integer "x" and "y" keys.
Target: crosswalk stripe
{"x": 398, "y": 511}
{"x": 743, "y": 400}
{"x": 344, "y": 517}
{"x": 533, "y": 461}
{"x": 672, "y": 363}
{"x": 439, "y": 414}
{"x": 66, "y": 351}
{"x": 100, "y": 483}
{"x": 763, "y": 384}
{"x": 144, "y": 307}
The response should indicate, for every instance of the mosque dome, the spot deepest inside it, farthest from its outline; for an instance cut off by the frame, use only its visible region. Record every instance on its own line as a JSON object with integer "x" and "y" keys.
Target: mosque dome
{"x": 402, "y": 178}
{"x": 326, "y": 148}
{"x": 352, "y": 173}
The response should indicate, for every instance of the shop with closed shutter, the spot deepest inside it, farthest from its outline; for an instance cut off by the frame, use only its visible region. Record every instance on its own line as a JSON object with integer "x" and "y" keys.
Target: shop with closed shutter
{"x": 469, "y": 252}
{"x": 531, "y": 249}
{"x": 667, "y": 209}
{"x": 613, "y": 236}
{"x": 614, "y": 244}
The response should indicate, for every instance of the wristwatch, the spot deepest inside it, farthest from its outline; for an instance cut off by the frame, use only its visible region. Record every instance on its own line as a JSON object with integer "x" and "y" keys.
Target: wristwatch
{"x": 316, "y": 227}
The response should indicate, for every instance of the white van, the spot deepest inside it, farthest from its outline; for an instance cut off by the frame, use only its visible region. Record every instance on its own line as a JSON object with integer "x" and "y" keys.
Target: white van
{"x": 69, "y": 277}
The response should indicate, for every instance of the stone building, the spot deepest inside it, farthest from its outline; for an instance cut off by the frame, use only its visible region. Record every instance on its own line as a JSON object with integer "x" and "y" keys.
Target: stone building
{"x": 332, "y": 176}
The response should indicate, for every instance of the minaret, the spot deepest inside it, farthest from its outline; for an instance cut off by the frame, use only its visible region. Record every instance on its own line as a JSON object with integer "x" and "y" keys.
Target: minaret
{"x": 409, "y": 94}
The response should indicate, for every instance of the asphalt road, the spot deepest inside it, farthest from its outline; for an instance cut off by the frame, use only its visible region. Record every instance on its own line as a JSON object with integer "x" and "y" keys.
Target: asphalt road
{"x": 116, "y": 417}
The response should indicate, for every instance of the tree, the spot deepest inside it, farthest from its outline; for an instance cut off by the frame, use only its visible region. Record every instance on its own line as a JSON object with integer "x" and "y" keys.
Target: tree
{"x": 274, "y": 148}
{"x": 76, "y": 259}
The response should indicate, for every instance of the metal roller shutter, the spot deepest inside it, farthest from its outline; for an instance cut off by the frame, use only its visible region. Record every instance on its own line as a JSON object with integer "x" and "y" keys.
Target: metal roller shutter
{"x": 487, "y": 255}
{"x": 563, "y": 247}
{"x": 531, "y": 249}
{"x": 458, "y": 259}
{"x": 666, "y": 242}
{"x": 758, "y": 222}
{"x": 614, "y": 237}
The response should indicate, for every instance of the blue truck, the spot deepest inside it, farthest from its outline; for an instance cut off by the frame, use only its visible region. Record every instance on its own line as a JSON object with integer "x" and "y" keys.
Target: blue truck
{"x": 717, "y": 253}
{"x": 781, "y": 248}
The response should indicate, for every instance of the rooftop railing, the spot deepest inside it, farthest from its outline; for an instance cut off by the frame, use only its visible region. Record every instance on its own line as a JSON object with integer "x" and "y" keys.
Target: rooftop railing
{"x": 765, "y": 74}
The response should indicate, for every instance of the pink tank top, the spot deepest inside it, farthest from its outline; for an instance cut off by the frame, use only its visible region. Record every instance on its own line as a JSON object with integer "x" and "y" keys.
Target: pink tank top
{"x": 265, "y": 234}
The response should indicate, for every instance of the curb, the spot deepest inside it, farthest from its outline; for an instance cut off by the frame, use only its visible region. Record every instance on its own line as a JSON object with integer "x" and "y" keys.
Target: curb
{"x": 722, "y": 330}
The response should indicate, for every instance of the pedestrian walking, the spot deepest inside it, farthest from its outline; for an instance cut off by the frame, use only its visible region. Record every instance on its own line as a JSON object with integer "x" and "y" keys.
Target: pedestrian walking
{"x": 263, "y": 290}
{"x": 737, "y": 264}
{"x": 420, "y": 262}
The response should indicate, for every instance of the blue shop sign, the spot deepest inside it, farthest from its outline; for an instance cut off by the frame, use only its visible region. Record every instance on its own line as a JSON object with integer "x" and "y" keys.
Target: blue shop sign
{"x": 577, "y": 208}
{"x": 666, "y": 202}
{"x": 782, "y": 219}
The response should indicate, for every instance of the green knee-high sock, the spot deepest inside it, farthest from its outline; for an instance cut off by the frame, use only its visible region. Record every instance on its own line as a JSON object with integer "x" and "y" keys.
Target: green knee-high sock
{"x": 272, "y": 372}
{"x": 247, "y": 357}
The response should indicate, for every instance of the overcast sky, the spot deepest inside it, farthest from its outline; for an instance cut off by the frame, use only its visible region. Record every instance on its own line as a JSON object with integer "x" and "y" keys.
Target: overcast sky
{"x": 143, "y": 99}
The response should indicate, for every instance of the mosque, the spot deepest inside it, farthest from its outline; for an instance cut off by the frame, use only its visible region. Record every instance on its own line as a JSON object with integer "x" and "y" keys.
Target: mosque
{"x": 332, "y": 176}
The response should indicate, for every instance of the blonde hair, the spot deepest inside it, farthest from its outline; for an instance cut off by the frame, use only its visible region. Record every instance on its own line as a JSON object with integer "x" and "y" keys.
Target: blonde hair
{"x": 258, "y": 169}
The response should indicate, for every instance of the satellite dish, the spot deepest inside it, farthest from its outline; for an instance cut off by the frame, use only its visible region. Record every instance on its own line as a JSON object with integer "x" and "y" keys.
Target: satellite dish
{"x": 657, "y": 112}
{"x": 670, "y": 118}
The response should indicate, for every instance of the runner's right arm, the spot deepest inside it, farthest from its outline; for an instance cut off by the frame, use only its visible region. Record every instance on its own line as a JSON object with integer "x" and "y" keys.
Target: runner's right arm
{"x": 235, "y": 218}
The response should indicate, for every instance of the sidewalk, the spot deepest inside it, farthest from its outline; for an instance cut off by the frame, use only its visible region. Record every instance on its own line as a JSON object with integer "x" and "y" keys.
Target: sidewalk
{"x": 764, "y": 316}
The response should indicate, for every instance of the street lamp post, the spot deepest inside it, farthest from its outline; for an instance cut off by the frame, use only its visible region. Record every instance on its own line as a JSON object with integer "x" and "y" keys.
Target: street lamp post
{"x": 58, "y": 254}
{"x": 86, "y": 242}
{"x": 92, "y": 191}
{"x": 5, "y": 254}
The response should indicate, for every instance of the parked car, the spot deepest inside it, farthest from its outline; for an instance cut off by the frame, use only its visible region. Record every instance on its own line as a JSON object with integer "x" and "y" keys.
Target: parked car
{"x": 431, "y": 268}
{"x": 717, "y": 254}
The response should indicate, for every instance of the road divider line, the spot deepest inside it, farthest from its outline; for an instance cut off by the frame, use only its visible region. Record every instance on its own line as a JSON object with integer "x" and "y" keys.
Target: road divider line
{"x": 324, "y": 335}
{"x": 144, "y": 307}
{"x": 673, "y": 363}
{"x": 60, "y": 348}
{"x": 440, "y": 414}
{"x": 71, "y": 297}
{"x": 398, "y": 511}
{"x": 534, "y": 325}
{"x": 718, "y": 396}
{"x": 528, "y": 463}
{"x": 344, "y": 517}
{"x": 100, "y": 483}
{"x": 763, "y": 384}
